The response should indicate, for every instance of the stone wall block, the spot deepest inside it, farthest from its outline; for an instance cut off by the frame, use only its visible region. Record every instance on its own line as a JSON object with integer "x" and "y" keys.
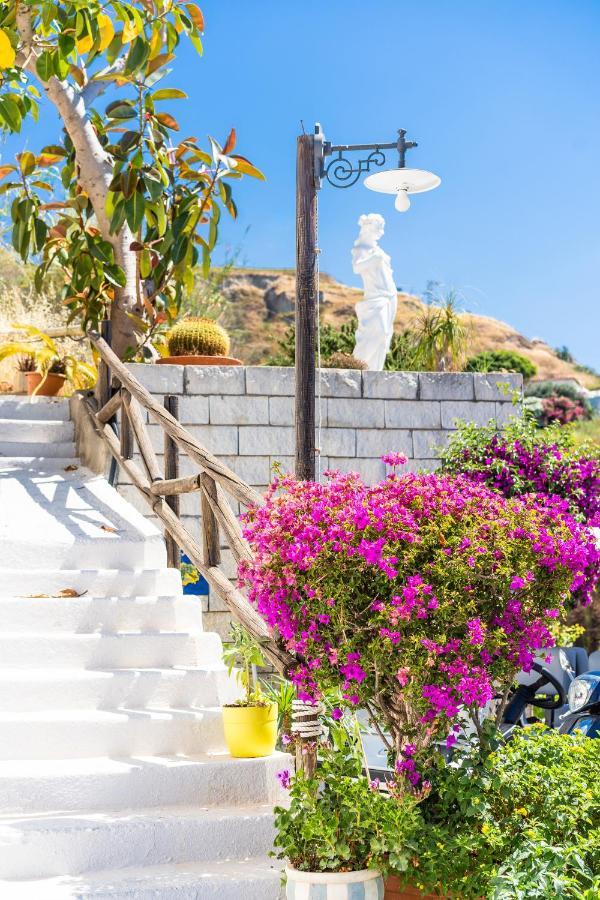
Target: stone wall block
{"x": 215, "y": 380}
{"x": 425, "y": 443}
{"x": 506, "y": 411}
{"x": 355, "y": 413}
{"x": 281, "y": 410}
{"x": 262, "y": 440}
{"x": 468, "y": 411}
{"x": 391, "y": 385}
{"x": 159, "y": 379}
{"x": 238, "y": 410}
{"x": 497, "y": 385}
{"x": 371, "y": 442}
{"x": 446, "y": 386}
{"x": 370, "y": 470}
{"x": 338, "y": 442}
{"x": 340, "y": 382}
{"x": 413, "y": 414}
{"x": 267, "y": 380}
{"x": 192, "y": 410}
{"x": 254, "y": 470}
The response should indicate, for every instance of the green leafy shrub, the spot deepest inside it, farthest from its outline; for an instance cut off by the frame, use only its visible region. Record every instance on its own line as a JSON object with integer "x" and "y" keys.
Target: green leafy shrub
{"x": 521, "y": 823}
{"x": 339, "y": 360}
{"x": 337, "y": 821}
{"x": 501, "y": 361}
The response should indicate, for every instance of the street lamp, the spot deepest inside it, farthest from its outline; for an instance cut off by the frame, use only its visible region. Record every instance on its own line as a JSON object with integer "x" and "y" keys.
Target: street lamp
{"x": 313, "y": 166}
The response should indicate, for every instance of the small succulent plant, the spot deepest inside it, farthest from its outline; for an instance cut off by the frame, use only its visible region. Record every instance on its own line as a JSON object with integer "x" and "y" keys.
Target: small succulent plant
{"x": 198, "y": 337}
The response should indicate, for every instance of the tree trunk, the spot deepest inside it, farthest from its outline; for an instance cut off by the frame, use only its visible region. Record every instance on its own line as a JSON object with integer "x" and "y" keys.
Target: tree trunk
{"x": 95, "y": 174}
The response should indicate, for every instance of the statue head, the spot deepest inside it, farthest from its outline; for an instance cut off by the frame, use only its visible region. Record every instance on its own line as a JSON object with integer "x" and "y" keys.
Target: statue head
{"x": 371, "y": 227}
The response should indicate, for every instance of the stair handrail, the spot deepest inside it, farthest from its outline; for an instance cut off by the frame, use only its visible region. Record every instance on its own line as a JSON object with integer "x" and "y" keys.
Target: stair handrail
{"x": 120, "y": 391}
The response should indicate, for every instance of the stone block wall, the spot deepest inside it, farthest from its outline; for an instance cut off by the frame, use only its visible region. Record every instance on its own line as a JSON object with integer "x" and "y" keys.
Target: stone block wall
{"x": 245, "y": 416}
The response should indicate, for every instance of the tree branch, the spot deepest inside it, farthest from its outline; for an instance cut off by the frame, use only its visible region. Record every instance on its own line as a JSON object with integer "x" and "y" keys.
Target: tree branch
{"x": 95, "y": 87}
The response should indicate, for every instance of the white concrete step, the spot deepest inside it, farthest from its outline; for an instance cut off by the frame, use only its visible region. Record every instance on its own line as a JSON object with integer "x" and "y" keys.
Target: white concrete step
{"x": 35, "y": 690}
{"x": 80, "y": 521}
{"x": 17, "y": 449}
{"x": 47, "y": 408}
{"x": 76, "y": 734}
{"x": 248, "y": 879}
{"x": 45, "y": 845}
{"x": 144, "y": 781}
{"x": 36, "y": 431}
{"x": 159, "y": 650}
{"x": 107, "y": 614}
{"x": 15, "y": 582}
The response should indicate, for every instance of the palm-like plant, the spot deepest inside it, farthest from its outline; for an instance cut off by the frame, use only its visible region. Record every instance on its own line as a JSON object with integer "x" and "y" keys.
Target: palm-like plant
{"x": 49, "y": 358}
{"x": 441, "y": 336}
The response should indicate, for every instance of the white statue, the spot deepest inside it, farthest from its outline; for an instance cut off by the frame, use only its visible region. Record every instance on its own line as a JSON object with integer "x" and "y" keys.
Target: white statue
{"x": 377, "y": 312}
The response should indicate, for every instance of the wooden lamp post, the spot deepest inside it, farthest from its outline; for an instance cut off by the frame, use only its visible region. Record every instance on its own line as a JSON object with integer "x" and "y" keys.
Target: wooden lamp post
{"x": 312, "y": 166}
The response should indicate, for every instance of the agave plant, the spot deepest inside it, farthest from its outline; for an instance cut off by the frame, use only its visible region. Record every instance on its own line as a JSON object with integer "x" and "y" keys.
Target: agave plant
{"x": 49, "y": 358}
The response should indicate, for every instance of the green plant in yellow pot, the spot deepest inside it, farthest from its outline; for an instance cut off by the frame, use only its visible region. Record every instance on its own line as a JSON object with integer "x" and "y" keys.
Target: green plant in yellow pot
{"x": 250, "y": 724}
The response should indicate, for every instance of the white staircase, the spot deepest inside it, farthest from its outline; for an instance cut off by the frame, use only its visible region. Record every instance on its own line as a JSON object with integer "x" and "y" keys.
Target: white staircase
{"x": 114, "y": 779}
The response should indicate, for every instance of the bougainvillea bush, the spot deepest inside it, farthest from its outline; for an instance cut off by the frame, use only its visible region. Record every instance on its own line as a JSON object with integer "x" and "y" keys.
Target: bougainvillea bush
{"x": 420, "y": 596}
{"x": 523, "y": 460}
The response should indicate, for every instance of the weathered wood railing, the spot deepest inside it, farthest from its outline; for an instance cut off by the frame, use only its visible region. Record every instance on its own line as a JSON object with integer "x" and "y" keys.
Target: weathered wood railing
{"x": 120, "y": 392}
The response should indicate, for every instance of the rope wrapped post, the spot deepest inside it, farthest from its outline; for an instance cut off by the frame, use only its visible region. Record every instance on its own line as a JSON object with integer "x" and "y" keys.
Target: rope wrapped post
{"x": 308, "y": 730}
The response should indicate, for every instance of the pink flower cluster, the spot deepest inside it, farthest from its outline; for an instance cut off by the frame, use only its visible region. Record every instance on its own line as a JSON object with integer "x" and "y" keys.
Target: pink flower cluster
{"x": 420, "y": 594}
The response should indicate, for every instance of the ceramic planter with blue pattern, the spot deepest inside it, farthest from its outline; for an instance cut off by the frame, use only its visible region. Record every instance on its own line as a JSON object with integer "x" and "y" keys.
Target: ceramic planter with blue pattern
{"x": 364, "y": 885}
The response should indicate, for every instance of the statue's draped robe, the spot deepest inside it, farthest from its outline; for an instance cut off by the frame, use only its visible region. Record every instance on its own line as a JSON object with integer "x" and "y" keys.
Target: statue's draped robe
{"x": 377, "y": 312}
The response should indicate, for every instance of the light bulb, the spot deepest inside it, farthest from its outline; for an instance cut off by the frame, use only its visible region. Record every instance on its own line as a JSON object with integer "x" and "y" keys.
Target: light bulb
{"x": 402, "y": 201}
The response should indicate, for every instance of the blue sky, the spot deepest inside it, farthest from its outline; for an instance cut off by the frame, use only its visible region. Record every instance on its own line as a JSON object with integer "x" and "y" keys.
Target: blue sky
{"x": 504, "y": 100}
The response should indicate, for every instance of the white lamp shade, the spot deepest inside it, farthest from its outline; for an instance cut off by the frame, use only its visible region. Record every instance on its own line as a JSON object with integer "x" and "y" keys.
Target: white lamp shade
{"x": 411, "y": 181}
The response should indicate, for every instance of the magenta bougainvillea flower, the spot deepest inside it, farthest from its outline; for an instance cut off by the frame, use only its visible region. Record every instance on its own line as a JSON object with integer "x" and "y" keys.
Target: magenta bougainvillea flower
{"x": 421, "y": 595}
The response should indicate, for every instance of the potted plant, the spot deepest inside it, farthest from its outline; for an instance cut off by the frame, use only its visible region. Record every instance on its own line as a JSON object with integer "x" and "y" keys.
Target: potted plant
{"x": 198, "y": 341}
{"x": 250, "y": 724}
{"x": 340, "y": 830}
{"x": 47, "y": 367}
{"x": 420, "y": 598}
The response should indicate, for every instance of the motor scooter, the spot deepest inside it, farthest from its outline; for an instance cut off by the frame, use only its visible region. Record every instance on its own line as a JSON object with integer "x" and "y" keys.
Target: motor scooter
{"x": 584, "y": 706}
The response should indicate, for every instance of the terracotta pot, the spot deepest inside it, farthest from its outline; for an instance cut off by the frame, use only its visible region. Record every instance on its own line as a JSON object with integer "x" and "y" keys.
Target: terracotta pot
{"x": 394, "y": 891}
{"x": 199, "y": 361}
{"x": 49, "y": 388}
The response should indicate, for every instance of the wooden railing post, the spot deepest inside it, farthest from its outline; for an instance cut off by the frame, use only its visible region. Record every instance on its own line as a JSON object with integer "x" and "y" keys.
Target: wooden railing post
{"x": 126, "y": 434}
{"x": 104, "y": 386}
{"x": 171, "y": 404}
{"x": 211, "y": 541}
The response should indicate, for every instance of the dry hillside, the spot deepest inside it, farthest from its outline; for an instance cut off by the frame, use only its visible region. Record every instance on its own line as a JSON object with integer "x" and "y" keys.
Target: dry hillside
{"x": 262, "y": 307}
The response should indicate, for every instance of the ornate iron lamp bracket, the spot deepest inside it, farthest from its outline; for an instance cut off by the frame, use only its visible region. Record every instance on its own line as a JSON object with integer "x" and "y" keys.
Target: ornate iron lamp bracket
{"x": 342, "y": 172}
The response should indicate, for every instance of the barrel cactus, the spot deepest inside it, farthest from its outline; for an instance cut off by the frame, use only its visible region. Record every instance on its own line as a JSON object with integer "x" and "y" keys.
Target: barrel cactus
{"x": 198, "y": 337}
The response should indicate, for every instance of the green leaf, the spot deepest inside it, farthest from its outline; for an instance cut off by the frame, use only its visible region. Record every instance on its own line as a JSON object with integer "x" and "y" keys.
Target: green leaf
{"x": 121, "y": 110}
{"x": 10, "y": 112}
{"x": 138, "y": 55}
{"x": 118, "y": 217}
{"x": 134, "y": 210}
{"x": 169, "y": 94}
{"x": 180, "y": 248}
{"x": 44, "y": 65}
{"x": 27, "y": 162}
{"x": 115, "y": 275}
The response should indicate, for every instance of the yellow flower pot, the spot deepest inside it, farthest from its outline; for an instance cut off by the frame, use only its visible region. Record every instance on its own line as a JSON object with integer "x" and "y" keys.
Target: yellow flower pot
{"x": 250, "y": 731}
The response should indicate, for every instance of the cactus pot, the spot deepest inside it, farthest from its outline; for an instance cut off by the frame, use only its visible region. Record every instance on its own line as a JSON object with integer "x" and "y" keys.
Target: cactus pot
{"x": 364, "y": 885}
{"x": 200, "y": 361}
{"x": 44, "y": 387}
